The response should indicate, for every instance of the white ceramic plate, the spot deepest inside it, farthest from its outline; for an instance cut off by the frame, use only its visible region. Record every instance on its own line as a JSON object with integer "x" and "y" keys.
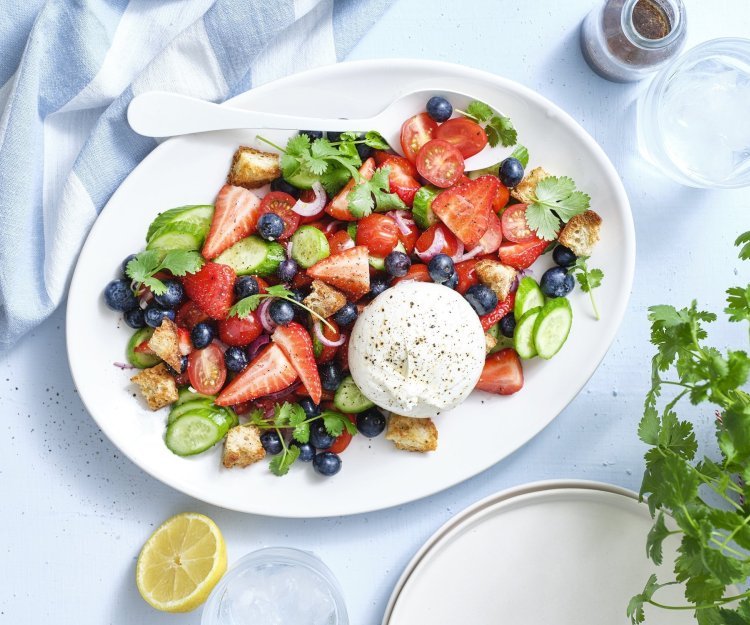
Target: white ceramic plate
{"x": 190, "y": 170}
{"x": 552, "y": 552}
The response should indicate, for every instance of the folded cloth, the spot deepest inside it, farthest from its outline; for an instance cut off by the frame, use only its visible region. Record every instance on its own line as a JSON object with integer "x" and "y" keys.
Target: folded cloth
{"x": 68, "y": 70}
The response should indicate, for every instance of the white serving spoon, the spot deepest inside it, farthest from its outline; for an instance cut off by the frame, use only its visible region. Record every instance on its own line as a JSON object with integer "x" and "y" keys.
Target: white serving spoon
{"x": 164, "y": 114}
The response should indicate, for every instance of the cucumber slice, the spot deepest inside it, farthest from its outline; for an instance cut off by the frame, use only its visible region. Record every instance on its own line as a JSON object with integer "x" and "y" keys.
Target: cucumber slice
{"x": 178, "y": 236}
{"x": 192, "y": 433}
{"x": 184, "y": 395}
{"x": 199, "y": 214}
{"x": 301, "y": 179}
{"x": 309, "y": 245}
{"x": 138, "y": 359}
{"x": 523, "y": 337}
{"x": 493, "y": 170}
{"x": 422, "y": 208}
{"x": 528, "y": 296}
{"x": 179, "y": 410}
{"x": 349, "y": 398}
{"x": 254, "y": 256}
{"x": 552, "y": 327}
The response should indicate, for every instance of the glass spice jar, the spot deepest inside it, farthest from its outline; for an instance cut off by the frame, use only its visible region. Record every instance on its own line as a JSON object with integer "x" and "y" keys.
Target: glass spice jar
{"x": 625, "y": 40}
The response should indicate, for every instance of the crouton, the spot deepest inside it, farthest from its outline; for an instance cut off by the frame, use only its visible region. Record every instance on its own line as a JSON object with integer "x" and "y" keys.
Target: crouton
{"x": 157, "y": 386}
{"x": 524, "y": 191}
{"x": 497, "y": 276}
{"x": 252, "y": 168}
{"x": 581, "y": 233}
{"x": 242, "y": 446}
{"x": 324, "y": 299}
{"x": 165, "y": 343}
{"x": 489, "y": 342}
{"x": 412, "y": 434}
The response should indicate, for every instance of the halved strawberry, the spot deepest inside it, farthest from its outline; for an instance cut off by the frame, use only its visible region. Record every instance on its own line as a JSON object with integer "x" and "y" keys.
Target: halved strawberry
{"x": 143, "y": 348}
{"x": 348, "y": 271}
{"x": 236, "y": 214}
{"x": 465, "y": 208}
{"x": 502, "y": 373}
{"x": 492, "y": 239}
{"x": 502, "y": 309}
{"x": 186, "y": 345}
{"x": 212, "y": 289}
{"x": 401, "y": 177}
{"x": 338, "y": 207}
{"x": 189, "y": 315}
{"x": 521, "y": 255}
{"x": 297, "y": 346}
{"x": 270, "y": 372}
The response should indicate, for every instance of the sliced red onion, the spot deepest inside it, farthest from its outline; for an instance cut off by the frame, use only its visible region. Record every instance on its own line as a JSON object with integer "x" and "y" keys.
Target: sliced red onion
{"x": 329, "y": 227}
{"x": 309, "y": 209}
{"x": 438, "y": 243}
{"x": 469, "y": 255}
{"x": 521, "y": 273}
{"x": 123, "y": 365}
{"x": 347, "y": 245}
{"x": 289, "y": 245}
{"x": 257, "y": 345}
{"x": 265, "y": 318}
{"x": 318, "y": 329}
{"x": 456, "y": 258}
{"x": 401, "y": 220}
{"x": 284, "y": 392}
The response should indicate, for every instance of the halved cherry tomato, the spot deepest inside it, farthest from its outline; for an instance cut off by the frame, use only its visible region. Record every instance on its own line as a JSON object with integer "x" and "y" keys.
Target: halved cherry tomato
{"x": 281, "y": 203}
{"x": 515, "y": 227}
{"x": 189, "y": 315}
{"x": 425, "y": 240}
{"x": 409, "y": 240}
{"x": 402, "y": 178}
{"x": 467, "y": 275}
{"x": 341, "y": 443}
{"x": 328, "y": 352}
{"x": 415, "y": 132}
{"x": 206, "y": 369}
{"x": 417, "y": 273}
{"x": 468, "y": 136}
{"x": 440, "y": 163}
{"x": 502, "y": 195}
{"x": 240, "y": 331}
{"x": 308, "y": 195}
{"x": 379, "y": 233}
{"x": 339, "y": 242}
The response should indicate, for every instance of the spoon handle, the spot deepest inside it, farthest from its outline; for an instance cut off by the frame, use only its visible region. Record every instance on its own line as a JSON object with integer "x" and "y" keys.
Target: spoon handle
{"x": 164, "y": 114}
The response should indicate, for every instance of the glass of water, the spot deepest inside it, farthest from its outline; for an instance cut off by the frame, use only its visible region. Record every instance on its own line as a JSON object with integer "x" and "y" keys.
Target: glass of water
{"x": 694, "y": 118}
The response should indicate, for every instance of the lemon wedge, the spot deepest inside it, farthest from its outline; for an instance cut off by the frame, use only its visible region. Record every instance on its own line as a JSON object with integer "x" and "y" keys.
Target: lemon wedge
{"x": 181, "y": 563}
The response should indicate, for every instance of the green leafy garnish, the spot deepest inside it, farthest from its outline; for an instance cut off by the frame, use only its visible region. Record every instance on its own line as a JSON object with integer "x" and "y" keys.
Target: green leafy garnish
{"x": 246, "y": 305}
{"x": 143, "y": 267}
{"x": 522, "y": 154}
{"x": 703, "y": 503}
{"x": 589, "y": 279}
{"x": 372, "y": 194}
{"x": 555, "y": 200}
{"x": 499, "y": 128}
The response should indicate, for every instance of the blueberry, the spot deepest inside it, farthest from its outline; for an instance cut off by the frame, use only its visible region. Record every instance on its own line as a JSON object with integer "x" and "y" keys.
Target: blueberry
{"x": 172, "y": 297}
{"x": 310, "y": 407}
{"x": 154, "y": 315}
{"x": 452, "y": 282}
{"x": 235, "y": 359}
{"x": 364, "y": 151}
{"x": 125, "y": 265}
{"x": 245, "y": 286}
{"x": 346, "y": 315}
{"x": 439, "y": 108}
{"x": 300, "y": 314}
{"x": 319, "y": 436}
{"x": 564, "y": 256}
{"x": 281, "y": 312}
{"x": 306, "y": 451}
{"x": 508, "y": 325}
{"x": 330, "y": 376}
{"x": 327, "y": 463}
{"x": 317, "y": 134}
{"x": 297, "y": 295}
{"x": 202, "y": 334}
{"x": 119, "y": 296}
{"x": 134, "y": 317}
{"x": 482, "y": 298}
{"x": 287, "y": 270}
{"x": 377, "y": 285}
{"x": 371, "y": 423}
{"x": 556, "y": 282}
{"x": 271, "y": 442}
{"x": 270, "y": 226}
{"x": 183, "y": 366}
{"x": 511, "y": 172}
{"x": 333, "y": 136}
{"x": 282, "y": 185}
{"x": 397, "y": 264}
{"x": 441, "y": 268}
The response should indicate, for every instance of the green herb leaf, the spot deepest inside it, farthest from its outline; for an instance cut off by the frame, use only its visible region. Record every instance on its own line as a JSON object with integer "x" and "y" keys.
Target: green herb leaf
{"x": 373, "y": 194}
{"x": 738, "y": 304}
{"x": 744, "y": 241}
{"x": 479, "y": 111}
{"x": 500, "y": 130}
{"x": 281, "y": 463}
{"x": 335, "y": 423}
{"x": 522, "y": 154}
{"x": 143, "y": 267}
{"x": 360, "y": 200}
{"x": 656, "y": 537}
{"x": 555, "y": 199}
{"x": 589, "y": 279}
{"x": 376, "y": 141}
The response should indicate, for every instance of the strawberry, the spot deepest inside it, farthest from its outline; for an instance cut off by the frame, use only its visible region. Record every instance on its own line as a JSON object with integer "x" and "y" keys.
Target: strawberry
{"x": 143, "y": 348}
{"x": 189, "y": 315}
{"x": 186, "y": 345}
{"x": 465, "y": 208}
{"x": 270, "y": 372}
{"x": 212, "y": 289}
{"x": 338, "y": 207}
{"x": 297, "y": 346}
{"x": 401, "y": 177}
{"x": 521, "y": 255}
{"x": 502, "y": 373}
{"x": 492, "y": 239}
{"x": 348, "y": 271}
{"x": 236, "y": 214}
{"x": 502, "y": 309}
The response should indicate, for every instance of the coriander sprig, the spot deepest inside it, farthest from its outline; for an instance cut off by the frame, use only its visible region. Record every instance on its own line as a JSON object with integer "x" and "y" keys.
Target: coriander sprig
{"x": 149, "y": 262}
{"x": 374, "y": 193}
{"x": 589, "y": 279}
{"x": 554, "y": 200}
{"x": 499, "y": 128}
{"x": 246, "y": 305}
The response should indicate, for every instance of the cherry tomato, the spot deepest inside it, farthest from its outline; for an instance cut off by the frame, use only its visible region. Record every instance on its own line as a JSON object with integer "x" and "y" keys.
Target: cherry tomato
{"x": 341, "y": 443}
{"x": 409, "y": 240}
{"x": 415, "y": 132}
{"x": 467, "y": 275}
{"x": 190, "y": 315}
{"x": 515, "y": 227}
{"x": 468, "y": 136}
{"x": 417, "y": 273}
{"x": 339, "y": 242}
{"x": 281, "y": 203}
{"x": 206, "y": 369}
{"x": 440, "y": 163}
{"x": 379, "y": 233}
{"x": 327, "y": 352}
{"x": 502, "y": 195}
{"x": 425, "y": 240}
{"x": 240, "y": 331}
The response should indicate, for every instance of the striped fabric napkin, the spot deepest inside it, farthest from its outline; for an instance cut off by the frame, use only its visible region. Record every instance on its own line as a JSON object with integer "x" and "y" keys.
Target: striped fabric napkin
{"x": 69, "y": 68}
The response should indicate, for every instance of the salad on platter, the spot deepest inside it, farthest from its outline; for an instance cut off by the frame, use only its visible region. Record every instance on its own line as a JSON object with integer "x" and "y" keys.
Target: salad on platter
{"x": 337, "y": 288}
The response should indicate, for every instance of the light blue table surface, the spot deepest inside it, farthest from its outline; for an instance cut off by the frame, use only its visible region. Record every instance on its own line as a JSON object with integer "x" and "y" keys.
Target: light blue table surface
{"x": 74, "y": 513}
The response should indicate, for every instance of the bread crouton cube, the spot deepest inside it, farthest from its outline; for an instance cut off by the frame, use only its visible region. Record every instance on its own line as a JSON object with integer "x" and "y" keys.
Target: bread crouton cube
{"x": 524, "y": 191}
{"x": 165, "y": 343}
{"x": 412, "y": 434}
{"x": 252, "y": 168}
{"x": 497, "y": 276}
{"x": 324, "y": 299}
{"x": 242, "y": 446}
{"x": 157, "y": 385}
{"x": 581, "y": 233}
{"x": 489, "y": 342}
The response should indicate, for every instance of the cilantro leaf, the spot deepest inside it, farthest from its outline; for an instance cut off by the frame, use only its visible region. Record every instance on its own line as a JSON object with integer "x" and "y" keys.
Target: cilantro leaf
{"x": 335, "y": 423}
{"x": 376, "y": 141}
{"x": 374, "y": 194}
{"x": 589, "y": 279}
{"x": 738, "y": 303}
{"x": 522, "y": 154}
{"x": 479, "y": 111}
{"x": 143, "y": 267}
{"x": 360, "y": 200}
{"x": 744, "y": 241}
{"x": 635, "y": 607}
{"x": 656, "y": 537}
{"x": 500, "y": 130}
{"x": 281, "y": 463}
{"x": 298, "y": 145}
{"x": 555, "y": 199}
